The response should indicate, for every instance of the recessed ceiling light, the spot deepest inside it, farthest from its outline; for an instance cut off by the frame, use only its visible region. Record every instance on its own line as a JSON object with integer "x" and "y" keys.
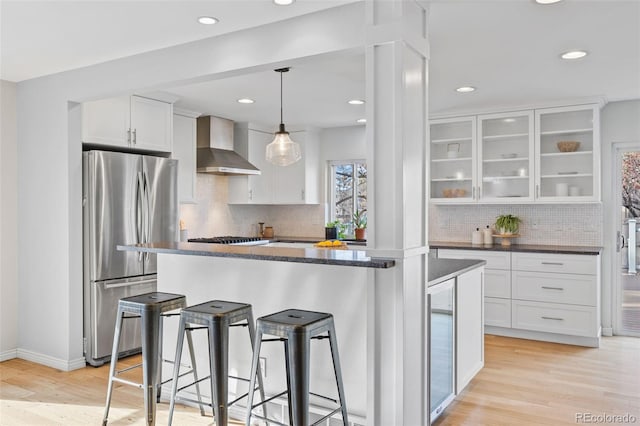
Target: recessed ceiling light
{"x": 361, "y": 120}
{"x": 465, "y": 89}
{"x": 547, "y": 1}
{"x": 509, "y": 120}
{"x": 283, "y": 2}
{"x": 208, "y": 20}
{"x": 356, "y": 102}
{"x": 246, "y": 101}
{"x": 574, "y": 54}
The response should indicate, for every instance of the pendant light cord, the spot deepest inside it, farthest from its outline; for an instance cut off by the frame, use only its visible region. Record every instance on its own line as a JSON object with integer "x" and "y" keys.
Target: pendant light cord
{"x": 281, "y": 120}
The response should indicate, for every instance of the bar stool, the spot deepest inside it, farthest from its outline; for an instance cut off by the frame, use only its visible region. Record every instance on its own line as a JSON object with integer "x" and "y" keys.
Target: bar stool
{"x": 217, "y": 316}
{"x": 296, "y": 328}
{"x": 150, "y": 308}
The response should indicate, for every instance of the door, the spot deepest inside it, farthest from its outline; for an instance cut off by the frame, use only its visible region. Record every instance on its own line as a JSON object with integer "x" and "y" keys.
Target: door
{"x": 106, "y": 122}
{"x": 160, "y": 204}
{"x": 440, "y": 301}
{"x": 151, "y": 124}
{"x": 112, "y": 211}
{"x": 627, "y": 305}
{"x": 104, "y": 300}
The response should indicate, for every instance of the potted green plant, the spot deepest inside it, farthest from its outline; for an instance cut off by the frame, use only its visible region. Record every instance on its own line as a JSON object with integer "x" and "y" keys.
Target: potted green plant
{"x": 360, "y": 223}
{"x": 331, "y": 231}
{"x": 507, "y": 224}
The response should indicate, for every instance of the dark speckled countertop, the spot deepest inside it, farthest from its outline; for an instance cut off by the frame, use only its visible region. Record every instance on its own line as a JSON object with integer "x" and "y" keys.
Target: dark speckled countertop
{"x": 444, "y": 269}
{"x": 318, "y": 256}
{"x": 532, "y": 248}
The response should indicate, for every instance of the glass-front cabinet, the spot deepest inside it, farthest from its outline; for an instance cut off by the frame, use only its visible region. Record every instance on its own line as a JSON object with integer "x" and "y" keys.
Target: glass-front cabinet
{"x": 567, "y": 145}
{"x": 543, "y": 155}
{"x": 453, "y": 153}
{"x": 505, "y": 156}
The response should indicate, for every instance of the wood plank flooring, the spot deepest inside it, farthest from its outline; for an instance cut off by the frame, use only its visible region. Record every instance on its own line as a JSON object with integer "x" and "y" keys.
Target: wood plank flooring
{"x": 523, "y": 382}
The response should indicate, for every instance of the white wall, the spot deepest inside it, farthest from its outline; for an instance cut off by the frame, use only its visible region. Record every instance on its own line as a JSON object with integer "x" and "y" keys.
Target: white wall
{"x": 8, "y": 222}
{"x": 49, "y": 156}
{"x": 620, "y": 123}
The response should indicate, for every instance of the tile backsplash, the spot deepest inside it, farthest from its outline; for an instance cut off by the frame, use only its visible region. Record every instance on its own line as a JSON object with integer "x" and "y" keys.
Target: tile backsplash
{"x": 555, "y": 224}
{"x": 212, "y": 216}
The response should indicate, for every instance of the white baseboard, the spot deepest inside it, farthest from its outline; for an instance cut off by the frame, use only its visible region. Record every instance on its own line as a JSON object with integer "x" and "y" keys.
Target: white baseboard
{"x": 593, "y": 342}
{"x": 49, "y": 361}
{"x": 7, "y": 355}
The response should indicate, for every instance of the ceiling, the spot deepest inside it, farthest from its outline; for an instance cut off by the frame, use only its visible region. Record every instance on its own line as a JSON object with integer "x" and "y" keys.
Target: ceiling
{"x": 508, "y": 50}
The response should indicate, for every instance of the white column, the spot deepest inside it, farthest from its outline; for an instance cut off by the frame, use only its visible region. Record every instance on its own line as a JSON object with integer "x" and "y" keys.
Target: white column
{"x": 397, "y": 130}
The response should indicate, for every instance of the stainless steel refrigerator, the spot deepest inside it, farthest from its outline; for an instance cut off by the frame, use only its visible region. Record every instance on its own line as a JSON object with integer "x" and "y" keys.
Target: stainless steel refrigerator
{"x": 127, "y": 199}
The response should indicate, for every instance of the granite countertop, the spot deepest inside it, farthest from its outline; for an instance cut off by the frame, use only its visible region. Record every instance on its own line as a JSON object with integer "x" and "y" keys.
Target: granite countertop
{"x": 294, "y": 239}
{"x": 320, "y": 256}
{"x": 444, "y": 269}
{"x": 532, "y": 248}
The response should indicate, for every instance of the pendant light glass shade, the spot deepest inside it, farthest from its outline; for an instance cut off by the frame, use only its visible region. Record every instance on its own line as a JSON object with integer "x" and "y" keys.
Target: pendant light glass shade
{"x": 282, "y": 151}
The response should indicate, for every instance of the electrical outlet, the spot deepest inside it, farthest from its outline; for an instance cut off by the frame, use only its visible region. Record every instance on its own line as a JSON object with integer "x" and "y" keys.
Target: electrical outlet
{"x": 263, "y": 366}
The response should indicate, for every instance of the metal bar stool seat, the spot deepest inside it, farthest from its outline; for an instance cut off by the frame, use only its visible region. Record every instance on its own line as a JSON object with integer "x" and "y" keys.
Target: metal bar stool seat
{"x": 151, "y": 308}
{"x": 296, "y": 328}
{"x": 217, "y": 316}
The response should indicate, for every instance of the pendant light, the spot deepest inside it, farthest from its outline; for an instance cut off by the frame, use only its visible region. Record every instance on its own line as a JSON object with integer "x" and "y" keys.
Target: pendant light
{"x": 283, "y": 151}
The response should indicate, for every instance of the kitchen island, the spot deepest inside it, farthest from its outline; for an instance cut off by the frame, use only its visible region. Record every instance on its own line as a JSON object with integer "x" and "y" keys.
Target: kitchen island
{"x": 271, "y": 279}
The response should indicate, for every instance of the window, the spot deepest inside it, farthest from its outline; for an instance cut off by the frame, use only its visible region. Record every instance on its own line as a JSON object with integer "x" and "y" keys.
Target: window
{"x": 348, "y": 191}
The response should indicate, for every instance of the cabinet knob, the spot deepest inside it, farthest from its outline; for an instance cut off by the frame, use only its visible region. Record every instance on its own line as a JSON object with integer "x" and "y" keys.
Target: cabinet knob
{"x": 134, "y": 136}
{"x": 251, "y": 194}
{"x": 128, "y": 136}
{"x": 302, "y": 195}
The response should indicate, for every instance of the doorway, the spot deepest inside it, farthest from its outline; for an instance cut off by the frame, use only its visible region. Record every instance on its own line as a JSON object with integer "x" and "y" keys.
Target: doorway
{"x": 627, "y": 282}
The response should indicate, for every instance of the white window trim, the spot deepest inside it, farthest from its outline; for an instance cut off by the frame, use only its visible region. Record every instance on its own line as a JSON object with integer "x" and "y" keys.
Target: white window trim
{"x": 332, "y": 184}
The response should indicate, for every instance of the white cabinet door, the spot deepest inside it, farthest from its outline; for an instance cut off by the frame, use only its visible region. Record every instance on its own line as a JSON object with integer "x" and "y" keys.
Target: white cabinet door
{"x": 290, "y": 180}
{"x": 469, "y": 327}
{"x": 572, "y": 176}
{"x": 505, "y": 157}
{"x": 453, "y": 165}
{"x": 184, "y": 150}
{"x": 151, "y": 124}
{"x": 261, "y": 187}
{"x": 106, "y": 122}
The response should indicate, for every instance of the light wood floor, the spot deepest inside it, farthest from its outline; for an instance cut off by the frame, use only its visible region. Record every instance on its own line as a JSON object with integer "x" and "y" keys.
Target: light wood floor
{"x": 523, "y": 382}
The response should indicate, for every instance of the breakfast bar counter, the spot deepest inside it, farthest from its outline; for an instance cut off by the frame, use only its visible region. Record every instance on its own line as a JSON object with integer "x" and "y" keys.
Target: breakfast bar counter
{"x": 318, "y": 256}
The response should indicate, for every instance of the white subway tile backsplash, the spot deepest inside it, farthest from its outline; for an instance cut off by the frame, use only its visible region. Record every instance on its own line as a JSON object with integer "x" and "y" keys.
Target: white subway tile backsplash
{"x": 555, "y": 224}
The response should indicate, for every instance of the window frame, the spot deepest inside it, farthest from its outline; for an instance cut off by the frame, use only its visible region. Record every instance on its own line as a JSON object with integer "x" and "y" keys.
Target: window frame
{"x": 332, "y": 184}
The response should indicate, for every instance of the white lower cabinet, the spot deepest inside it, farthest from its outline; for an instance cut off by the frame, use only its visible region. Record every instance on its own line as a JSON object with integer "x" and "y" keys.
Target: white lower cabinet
{"x": 469, "y": 327}
{"x": 540, "y": 296}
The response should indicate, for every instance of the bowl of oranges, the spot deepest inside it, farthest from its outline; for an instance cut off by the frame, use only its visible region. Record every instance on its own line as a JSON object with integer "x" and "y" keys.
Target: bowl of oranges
{"x": 331, "y": 244}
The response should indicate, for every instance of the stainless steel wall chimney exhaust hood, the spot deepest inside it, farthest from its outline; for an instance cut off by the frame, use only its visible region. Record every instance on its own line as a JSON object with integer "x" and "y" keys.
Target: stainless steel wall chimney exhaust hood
{"x": 215, "y": 153}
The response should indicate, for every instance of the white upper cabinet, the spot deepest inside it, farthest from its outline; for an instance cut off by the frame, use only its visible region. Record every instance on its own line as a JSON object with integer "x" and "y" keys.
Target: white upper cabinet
{"x": 297, "y": 183}
{"x": 568, "y": 148}
{"x": 129, "y": 122}
{"x": 453, "y": 165}
{"x": 515, "y": 157}
{"x": 184, "y": 150}
{"x": 505, "y": 157}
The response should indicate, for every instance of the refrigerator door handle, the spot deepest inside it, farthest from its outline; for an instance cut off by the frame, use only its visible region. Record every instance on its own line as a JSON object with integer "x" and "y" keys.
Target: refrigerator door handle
{"x": 139, "y": 213}
{"x": 619, "y": 241}
{"x": 631, "y": 246}
{"x": 147, "y": 222}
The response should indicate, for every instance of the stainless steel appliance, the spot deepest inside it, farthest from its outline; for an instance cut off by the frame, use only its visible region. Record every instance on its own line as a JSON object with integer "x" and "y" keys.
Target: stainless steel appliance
{"x": 440, "y": 305}
{"x": 127, "y": 199}
{"x": 236, "y": 241}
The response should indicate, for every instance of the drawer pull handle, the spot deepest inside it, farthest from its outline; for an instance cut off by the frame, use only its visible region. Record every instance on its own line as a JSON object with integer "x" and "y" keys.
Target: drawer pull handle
{"x": 553, "y": 263}
{"x": 552, "y": 318}
{"x": 552, "y": 288}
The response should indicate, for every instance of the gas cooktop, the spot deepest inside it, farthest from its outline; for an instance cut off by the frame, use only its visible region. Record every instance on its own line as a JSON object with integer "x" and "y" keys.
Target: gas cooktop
{"x": 230, "y": 240}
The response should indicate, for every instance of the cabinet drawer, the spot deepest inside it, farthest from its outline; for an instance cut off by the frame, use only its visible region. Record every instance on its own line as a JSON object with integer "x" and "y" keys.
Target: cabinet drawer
{"x": 555, "y": 318}
{"x": 497, "y": 283}
{"x": 563, "y": 263}
{"x": 494, "y": 259}
{"x": 557, "y": 288}
{"x": 497, "y": 312}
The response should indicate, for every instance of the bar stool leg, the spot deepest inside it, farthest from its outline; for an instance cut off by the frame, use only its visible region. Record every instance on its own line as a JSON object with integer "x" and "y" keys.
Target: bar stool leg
{"x": 333, "y": 344}
{"x": 298, "y": 364}
{"x": 252, "y": 333}
{"x": 159, "y": 375}
{"x": 194, "y": 369}
{"x": 255, "y": 365}
{"x": 219, "y": 365}
{"x": 176, "y": 369}
{"x": 114, "y": 361}
{"x": 150, "y": 340}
